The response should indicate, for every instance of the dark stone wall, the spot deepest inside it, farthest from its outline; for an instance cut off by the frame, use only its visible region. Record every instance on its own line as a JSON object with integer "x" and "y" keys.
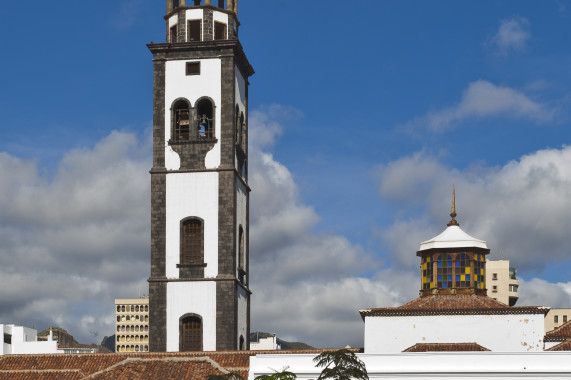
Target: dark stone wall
{"x": 226, "y": 316}
{"x": 193, "y": 153}
{"x": 227, "y": 224}
{"x": 208, "y": 25}
{"x": 157, "y": 288}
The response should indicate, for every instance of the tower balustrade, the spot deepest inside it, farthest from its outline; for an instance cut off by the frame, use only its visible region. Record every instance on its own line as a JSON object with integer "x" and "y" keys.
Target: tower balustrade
{"x": 229, "y": 5}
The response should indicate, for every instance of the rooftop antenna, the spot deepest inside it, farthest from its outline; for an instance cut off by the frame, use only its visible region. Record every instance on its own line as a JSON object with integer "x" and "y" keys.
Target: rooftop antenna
{"x": 501, "y": 254}
{"x": 453, "y": 222}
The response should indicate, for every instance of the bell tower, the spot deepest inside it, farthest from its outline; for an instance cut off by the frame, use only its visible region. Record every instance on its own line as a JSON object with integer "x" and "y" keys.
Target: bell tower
{"x": 199, "y": 297}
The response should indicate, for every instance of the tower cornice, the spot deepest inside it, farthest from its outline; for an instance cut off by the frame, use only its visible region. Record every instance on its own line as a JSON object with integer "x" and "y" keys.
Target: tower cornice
{"x": 202, "y": 50}
{"x": 205, "y": 6}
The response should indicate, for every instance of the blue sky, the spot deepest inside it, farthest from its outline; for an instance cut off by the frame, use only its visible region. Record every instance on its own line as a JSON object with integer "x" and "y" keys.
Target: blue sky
{"x": 371, "y": 110}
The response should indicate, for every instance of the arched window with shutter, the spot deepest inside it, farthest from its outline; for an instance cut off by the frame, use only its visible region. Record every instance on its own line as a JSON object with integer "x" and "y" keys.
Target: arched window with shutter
{"x": 192, "y": 241}
{"x": 190, "y": 333}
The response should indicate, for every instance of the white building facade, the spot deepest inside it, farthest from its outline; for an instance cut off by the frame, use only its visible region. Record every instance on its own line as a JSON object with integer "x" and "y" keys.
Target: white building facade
{"x": 453, "y": 307}
{"x": 24, "y": 340}
{"x": 502, "y": 282}
{"x": 199, "y": 297}
{"x": 431, "y": 365}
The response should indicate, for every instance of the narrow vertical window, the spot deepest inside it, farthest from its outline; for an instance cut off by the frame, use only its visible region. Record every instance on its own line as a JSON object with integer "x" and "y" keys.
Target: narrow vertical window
{"x": 195, "y": 30}
{"x": 173, "y": 31}
{"x": 237, "y": 124}
{"x": 242, "y": 131}
{"x": 427, "y": 277}
{"x": 219, "y": 30}
{"x": 462, "y": 265}
{"x": 175, "y": 4}
{"x": 242, "y": 343}
{"x": 191, "y": 334}
{"x": 192, "y": 247}
{"x": 444, "y": 271}
{"x": 181, "y": 119}
{"x": 241, "y": 248}
{"x": 205, "y": 119}
{"x": 221, "y": 4}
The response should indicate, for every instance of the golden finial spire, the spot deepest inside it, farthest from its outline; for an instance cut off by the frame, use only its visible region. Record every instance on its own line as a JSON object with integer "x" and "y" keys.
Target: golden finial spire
{"x": 453, "y": 222}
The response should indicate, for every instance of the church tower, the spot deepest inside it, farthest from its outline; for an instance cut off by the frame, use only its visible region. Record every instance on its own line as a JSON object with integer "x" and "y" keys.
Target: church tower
{"x": 199, "y": 297}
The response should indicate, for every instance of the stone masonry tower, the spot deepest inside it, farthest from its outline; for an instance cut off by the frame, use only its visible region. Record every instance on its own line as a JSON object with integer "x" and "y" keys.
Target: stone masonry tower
{"x": 199, "y": 297}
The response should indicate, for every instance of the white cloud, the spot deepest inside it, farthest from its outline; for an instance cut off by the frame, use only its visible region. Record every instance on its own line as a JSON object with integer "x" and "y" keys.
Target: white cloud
{"x": 522, "y": 208}
{"x": 72, "y": 243}
{"x": 306, "y": 286}
{"x": 513, "y": 35}
{"x": 540, "y": 292}
{"x": 483, "y": 99}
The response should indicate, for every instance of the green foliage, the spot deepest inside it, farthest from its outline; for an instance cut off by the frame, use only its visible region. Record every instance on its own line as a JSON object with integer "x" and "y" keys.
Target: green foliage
{"x": 341, "y": 365}
{"x": 228, "y": 376}
{"x": 283, "y": 375}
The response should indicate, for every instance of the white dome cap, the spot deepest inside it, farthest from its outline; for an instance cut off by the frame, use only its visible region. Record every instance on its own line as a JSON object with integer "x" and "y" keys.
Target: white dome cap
{"x": 453, "y": 236}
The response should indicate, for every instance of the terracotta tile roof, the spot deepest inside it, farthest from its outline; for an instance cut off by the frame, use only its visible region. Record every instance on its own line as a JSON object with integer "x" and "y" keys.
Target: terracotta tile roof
{"x": 456, "y": 304}
{"x": 41, "y": 375}
{"x": 429, "y": 347}
{"x": 183, "y": 365}
{"x": 560, "y": 334}
{"x": 165, "y": 368}
{"x": 565, "y": 346}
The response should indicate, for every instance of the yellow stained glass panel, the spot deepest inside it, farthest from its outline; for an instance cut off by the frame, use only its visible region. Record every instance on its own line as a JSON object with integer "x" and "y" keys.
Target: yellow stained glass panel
{"x": 463, "y": 277}
{"x": 424, "y": 266}
{"x": 428, "y": 258}
{"x": 467, "y": 270}
{"x": 482, "y": 271}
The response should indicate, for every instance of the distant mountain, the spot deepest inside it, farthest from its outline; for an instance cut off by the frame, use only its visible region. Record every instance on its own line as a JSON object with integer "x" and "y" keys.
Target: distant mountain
{"x": 65, "y": 339}
{"x": 283, "y": 344}
{"x": 109, "y": 343}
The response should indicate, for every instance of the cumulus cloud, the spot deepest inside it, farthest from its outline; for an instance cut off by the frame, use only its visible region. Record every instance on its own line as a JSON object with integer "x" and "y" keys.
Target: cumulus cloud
{"x": 306, "y": 286}
{"x": 522, "y": 208}
{"x": 483, "y": 99}
{"x": 541, "y": 292}
{"x": 72, "y": 243}
{"x": 512, "y": 35}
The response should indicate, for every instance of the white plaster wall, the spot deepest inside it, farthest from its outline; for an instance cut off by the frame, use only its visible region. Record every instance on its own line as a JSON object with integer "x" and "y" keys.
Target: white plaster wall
{"x": 242, "y": 317}
{"x": 26, "y": 348}
{"x": 173, "y": 20}
{"x": 197, "y": 297}
{"x": 194, "y": 14}
{"x": 24, "y": 341}
{"x": 548, "y": 345}
{"x": 500, "y": 333}
{"x": 269, "y": 343}
{"x": 193, "y": 87}
{"x": 431, "y": 365}
{"x": 6, "y": 348}
{"x": 192, "y": 194}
